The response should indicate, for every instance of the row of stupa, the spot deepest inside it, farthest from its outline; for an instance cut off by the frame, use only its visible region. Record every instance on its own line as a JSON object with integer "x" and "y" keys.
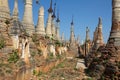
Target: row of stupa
{"x": 50, "y": 29}
{"x": 52, "y": 26}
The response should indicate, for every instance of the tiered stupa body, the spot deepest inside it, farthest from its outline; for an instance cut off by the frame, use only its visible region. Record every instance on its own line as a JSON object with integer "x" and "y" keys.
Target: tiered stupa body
{"x": 28, "y": 17}
{"x": 4, "y": 10}
{"x": 4, "y": 26}
{"x": 40, "y": 29}
{"x": 49, "y": 21}
{"x": 114, "y": 38}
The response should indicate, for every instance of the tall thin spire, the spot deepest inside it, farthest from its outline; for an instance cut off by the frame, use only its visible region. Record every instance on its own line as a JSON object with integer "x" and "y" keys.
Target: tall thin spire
{"x": 49, "y": 21}
{"x": 72, "y": 23}
{"x": 58, "y": 19}
{"x": 98, "y": 36}
{"x": 54, "y": 16}
{"x": 87, "y": 34}
{"x": 53, "y": 27}
{"x": 15, "y": 10}
{"x": 72, "y": 35}
{"x": 100, "y": 21}
{"x": 58, "y": 26}
{"x": 50, "y": 10}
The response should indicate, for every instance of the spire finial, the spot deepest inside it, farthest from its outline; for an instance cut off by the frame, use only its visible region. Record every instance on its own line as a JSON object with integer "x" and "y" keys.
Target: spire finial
{"x": 54, "y": 16}
{"x": 58, "y": 20}
{"x": 50, "y": 10}
{"x": 100, "y": 21}
{"x": 72, "y": 20}
{"x": 87, "y": 34}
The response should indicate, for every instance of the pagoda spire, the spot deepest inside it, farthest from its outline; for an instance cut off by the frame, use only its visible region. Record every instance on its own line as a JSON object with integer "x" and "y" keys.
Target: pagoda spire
{"x": 58, "y": 26}
{"x": 72, "y": 23}
{"x": 72, "y": 35}
{"x": 54, "y": 16}
{"x": 87, "y": 34}
{"x": 100, "y": 21}
{"x": 15, "y": 10}
{"x": 98, "y": 36}
{"x": 49, "y": 21}
{"x": 58, "y": 19}
{"x": 53, "y": 27}
{"x": 50, "y": 10}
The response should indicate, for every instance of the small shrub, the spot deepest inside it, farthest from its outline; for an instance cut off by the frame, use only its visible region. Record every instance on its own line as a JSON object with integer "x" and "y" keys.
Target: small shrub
{"x": 34, "y": 38}
{"x": 75, "y": 69}
{"x": 7, "y": 22}
{"x": 58, "y": 43}
{"x": 61, "y": 65}
{"x": 13, "y": 57}
{"x": 39, "y": 52}
{"x": 46, "y": 37}
{"x": 2, "y": 43}
{"x": 51, "y": 56}
{"x": 39, "y": 73}
{"x": 34, "y": 72}
{"x": 33, "y": 54}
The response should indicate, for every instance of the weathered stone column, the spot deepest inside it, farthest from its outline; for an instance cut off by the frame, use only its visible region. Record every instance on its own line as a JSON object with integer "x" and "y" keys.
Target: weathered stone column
{"x": 115, "y": 29}
{"x": 40, "y": 29}
{"x": 28, "y": 17}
